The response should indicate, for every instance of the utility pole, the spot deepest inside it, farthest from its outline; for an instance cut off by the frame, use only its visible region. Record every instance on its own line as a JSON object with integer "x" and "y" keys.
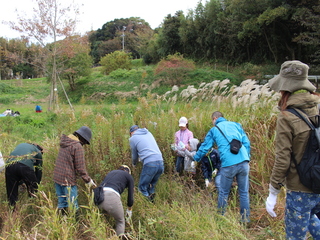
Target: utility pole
{"x": 123, "y": 29}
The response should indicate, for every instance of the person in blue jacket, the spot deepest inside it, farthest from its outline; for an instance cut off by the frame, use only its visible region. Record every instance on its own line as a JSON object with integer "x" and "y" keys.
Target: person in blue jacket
{"x": 232, "y": 165}
{"x": 144, "y": 147}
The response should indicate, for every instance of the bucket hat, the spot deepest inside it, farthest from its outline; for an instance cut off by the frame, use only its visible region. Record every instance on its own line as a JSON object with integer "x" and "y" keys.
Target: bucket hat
{"x": 85, "y": 132}
{"x": 293, "y": 76}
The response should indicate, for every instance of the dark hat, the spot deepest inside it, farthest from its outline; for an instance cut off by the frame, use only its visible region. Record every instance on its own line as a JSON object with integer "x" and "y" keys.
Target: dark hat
{"x": 85, "y": 132}
{"x": 133, "y": 128}
{"x": 293, "y": 76}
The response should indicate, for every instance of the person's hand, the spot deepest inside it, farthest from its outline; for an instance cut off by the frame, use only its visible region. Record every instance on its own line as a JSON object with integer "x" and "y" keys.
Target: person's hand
{"x": 91, "y": 184}
{"x": 272, "y": 200}
{"x": 128, "y": 214}
{"x": 206, "y": 181}
{"x": 214, "y": 173}
{"x": 193, "y": 164}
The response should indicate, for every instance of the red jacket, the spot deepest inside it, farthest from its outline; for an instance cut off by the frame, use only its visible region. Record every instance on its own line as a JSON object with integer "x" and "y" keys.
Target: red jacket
{"x": 70, "y": 162}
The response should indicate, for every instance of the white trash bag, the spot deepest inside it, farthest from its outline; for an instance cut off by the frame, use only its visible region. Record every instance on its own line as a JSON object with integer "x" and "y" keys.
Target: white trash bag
{"x": 2, "y": 164}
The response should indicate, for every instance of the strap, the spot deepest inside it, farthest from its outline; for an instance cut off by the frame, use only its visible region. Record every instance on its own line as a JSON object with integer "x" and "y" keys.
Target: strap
{"x": 210, "y": 159}
{"x": 309, "y": 122}
{"x": 223, "y": 134}
{"x": 299, "y": 115}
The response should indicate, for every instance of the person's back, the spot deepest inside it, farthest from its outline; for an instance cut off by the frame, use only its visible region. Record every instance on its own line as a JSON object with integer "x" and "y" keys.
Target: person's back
{"x": 232, "y": 165}
{"x": 144, "y": 146}
{"x": 70, "y": 162}
{"x": 188, "y": 159}
{"x": 113, "y": 186}
{"x": 23, "y": 165}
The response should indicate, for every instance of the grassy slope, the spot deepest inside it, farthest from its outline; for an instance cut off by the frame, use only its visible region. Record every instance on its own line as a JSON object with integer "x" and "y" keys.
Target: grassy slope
{"x": 184, "y": 209}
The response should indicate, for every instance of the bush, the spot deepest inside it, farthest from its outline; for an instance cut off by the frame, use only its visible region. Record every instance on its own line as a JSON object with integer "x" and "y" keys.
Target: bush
{"x": 115, "y": 60}
{"x": 175, "y": 68}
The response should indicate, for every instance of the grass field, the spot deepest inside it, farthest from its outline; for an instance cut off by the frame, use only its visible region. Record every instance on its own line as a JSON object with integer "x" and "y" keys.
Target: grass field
{"x": 184, "y": 208}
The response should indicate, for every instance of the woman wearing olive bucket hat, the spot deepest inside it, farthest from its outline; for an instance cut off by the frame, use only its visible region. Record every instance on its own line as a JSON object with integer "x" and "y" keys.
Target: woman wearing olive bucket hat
{"x": 302, "y": 204}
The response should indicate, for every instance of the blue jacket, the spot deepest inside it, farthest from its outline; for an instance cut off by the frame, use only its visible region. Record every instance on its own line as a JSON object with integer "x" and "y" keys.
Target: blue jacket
{"x": 144, "y": 146}
{"x": 231, "y": 130}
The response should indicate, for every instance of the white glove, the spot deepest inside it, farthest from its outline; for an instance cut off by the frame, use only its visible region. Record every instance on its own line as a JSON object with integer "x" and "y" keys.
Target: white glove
{"x": 207, "y": 182}
{"x": 272, "y": 200}
{"x": 214, "y": 172}
{"x": 129, "y": 214}
{"x": 193, "y": 164}
{"x": 91, "y": 184}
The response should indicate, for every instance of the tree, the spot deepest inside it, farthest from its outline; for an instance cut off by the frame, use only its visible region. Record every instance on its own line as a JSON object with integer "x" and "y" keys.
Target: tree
{"x": 169, "y": 38}
{"x": 74, "y": 61}
{"x": 50, "y": 21}
{"x": 131, "y": 33}
{"x": 114, "y": 61}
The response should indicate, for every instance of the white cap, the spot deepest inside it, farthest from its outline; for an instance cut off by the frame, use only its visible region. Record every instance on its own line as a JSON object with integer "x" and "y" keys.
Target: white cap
{"x": 183, "y": 122}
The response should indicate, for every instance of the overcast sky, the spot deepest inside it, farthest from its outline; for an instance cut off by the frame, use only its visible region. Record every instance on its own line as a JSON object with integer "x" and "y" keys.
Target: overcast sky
{"x": 95, "y": 13}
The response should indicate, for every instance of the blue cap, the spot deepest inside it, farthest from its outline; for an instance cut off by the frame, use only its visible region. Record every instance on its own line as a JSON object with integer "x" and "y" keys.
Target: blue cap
{"x": 133, "y": 128}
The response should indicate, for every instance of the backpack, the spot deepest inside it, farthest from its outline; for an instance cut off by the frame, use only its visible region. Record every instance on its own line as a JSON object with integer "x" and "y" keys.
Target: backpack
{"x": 309, "y": 167}
{"x": 98, "y": 194}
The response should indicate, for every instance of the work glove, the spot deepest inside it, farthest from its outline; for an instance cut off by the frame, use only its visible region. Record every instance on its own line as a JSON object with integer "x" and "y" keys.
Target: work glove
{"x": 128, "y": 214}
{"x": 272, "y": 200}
{"x": 193, "y": 164}
{"x": 207, "y": 182}
{"x": 214, "y": 172}
{"x": 91, "y": 184}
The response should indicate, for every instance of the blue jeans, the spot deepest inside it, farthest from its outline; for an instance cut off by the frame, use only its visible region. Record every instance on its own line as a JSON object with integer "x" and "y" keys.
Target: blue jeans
{"x": 241, "y": 172}
{"x": 66, "y": 195}
{"x": 179, "y": 164}
{"x": 300, "y": 215}
{"x": 149, "y": 177}
{"x": 217, "y": 180}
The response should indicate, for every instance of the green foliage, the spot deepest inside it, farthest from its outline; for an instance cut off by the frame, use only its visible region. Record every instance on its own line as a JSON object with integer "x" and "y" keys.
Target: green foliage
{"x": 114, "y": 61}
{"x": 5, "y": 88}
{"x": 76, "y": 67}
{"x": 136, "y": 63}
{"x": 175, "y": 68}
{"x": 109, "y": 38}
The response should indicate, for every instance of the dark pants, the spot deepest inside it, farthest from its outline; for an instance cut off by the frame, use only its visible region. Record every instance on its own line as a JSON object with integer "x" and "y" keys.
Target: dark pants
{"x": 14, "y": 174}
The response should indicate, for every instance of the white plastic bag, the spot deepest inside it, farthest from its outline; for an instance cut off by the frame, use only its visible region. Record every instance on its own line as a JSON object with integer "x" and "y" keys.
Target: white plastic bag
{"x": 2, "y": 164}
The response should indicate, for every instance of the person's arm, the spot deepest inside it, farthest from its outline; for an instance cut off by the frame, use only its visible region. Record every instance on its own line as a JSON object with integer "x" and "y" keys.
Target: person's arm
{"x": 79, "y": 163}
{"x": 134, "y": 153}
{"x": 245, "y": 140}
{"x": 38, "y": 167}
{"x": 130, "y": 200}
{"x": 205, "y": 146}
{"x": 283, "y": 152}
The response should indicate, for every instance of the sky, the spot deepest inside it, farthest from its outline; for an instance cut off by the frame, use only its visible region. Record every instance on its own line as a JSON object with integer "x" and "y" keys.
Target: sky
{"x": 95, "y": 13}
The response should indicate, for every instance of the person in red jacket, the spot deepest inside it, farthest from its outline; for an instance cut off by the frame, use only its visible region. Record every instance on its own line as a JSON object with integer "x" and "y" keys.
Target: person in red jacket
{"x": 70, "y": 163}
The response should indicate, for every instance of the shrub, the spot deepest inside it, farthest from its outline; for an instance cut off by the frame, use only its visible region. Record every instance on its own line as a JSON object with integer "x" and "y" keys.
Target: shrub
{"x": 174, "y": 68}
{"x": 114, "y": 61}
